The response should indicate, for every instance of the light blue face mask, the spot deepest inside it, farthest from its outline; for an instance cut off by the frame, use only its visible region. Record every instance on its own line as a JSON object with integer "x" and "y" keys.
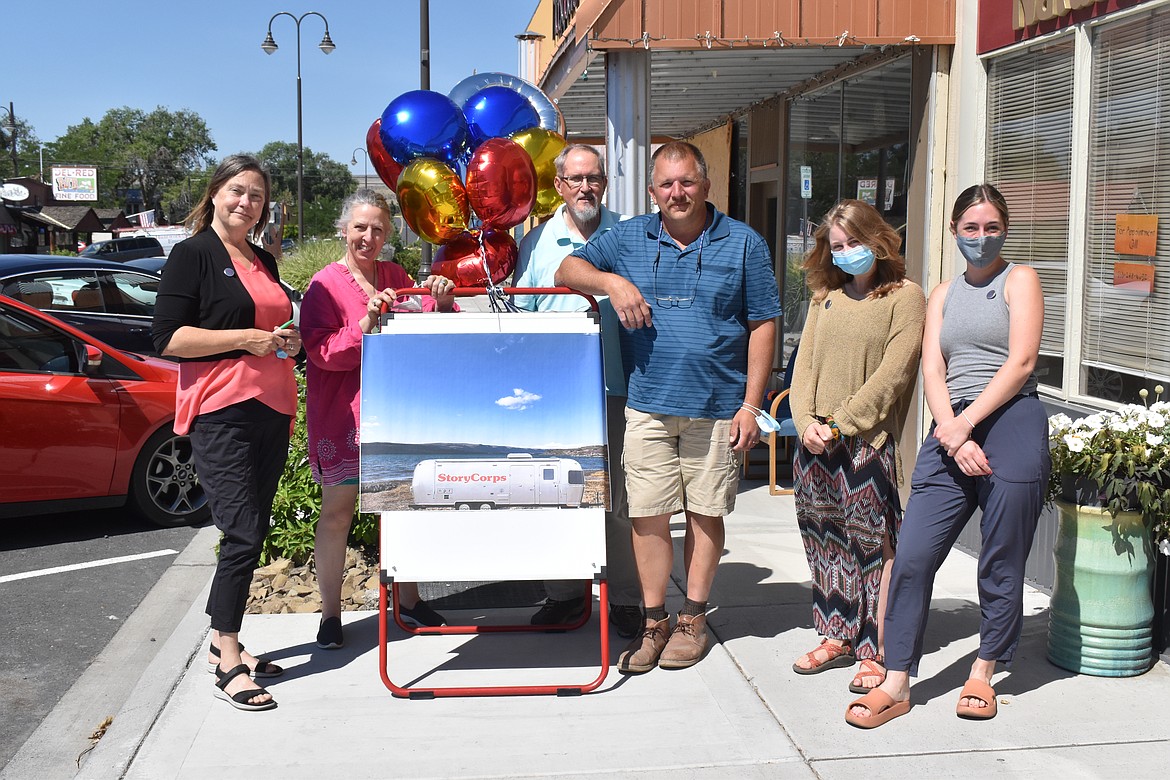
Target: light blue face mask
{"x": 767, "y": 423}
{"x": 857, "y": 260}
{"x": 982, "y": 251}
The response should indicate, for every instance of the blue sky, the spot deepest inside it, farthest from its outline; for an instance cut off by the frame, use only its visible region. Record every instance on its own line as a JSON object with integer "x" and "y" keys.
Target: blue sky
{"x": 65, "y": 60}
{"x": 535, "y": 390}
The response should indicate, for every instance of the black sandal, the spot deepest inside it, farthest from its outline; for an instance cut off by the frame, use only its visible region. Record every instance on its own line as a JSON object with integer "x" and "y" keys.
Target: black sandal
{"x": 264, "y": 667}
{"x": 241, "y": 699}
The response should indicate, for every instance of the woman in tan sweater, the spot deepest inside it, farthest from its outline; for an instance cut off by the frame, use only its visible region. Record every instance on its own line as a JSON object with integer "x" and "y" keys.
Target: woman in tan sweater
{"x": 851, "y": 388}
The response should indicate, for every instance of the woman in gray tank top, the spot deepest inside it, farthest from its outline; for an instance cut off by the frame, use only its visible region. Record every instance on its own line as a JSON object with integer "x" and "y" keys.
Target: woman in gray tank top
{"x": 987, "y": 450}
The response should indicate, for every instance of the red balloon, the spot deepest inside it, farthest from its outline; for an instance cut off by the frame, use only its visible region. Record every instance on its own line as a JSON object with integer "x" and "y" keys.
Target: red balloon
{"x": 501, "y": 183}
{"x": 462, "y": 258}
{"x": 386, "y": 166}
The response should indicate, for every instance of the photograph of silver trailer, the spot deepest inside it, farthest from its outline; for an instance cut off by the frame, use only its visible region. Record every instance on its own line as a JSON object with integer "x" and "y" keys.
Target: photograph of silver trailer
{"x": 476, "y": 411}
{"x": 491, "y": 483}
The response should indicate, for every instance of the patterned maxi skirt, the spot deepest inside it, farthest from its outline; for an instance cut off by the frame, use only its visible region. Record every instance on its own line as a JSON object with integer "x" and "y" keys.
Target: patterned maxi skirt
{"x": 846, "y": 503}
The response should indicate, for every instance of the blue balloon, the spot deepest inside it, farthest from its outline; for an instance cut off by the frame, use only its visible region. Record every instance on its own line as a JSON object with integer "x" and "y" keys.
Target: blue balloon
{"x": 497, "y": 112}
{"x": 422, "y": 123}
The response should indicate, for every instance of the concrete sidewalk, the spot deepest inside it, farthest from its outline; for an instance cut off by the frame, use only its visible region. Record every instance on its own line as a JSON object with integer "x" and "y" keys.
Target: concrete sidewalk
{"x": 741, "y": 712}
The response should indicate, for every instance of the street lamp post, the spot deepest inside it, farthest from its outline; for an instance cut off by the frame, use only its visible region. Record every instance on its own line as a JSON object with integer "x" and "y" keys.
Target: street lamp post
{"x": 326, "y": 45}
{"x": 365, "y": 164}
{"x": 10, "y": 126}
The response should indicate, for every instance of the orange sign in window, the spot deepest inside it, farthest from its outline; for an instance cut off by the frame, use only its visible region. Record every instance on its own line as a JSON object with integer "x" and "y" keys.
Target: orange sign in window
{"x": 1136, "y": 234}
{"x": 1138, "y": 277}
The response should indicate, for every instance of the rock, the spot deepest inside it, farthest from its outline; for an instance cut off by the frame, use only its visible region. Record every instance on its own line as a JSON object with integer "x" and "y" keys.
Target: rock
{"x": 279, "y": 580}
{"x": 279, "y": 566}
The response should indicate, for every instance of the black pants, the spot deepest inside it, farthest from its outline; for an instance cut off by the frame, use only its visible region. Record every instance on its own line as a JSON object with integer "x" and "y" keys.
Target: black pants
{"x": 239, "y": 453}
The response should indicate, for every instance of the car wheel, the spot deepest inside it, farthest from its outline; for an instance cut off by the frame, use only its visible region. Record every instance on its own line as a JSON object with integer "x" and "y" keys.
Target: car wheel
{"x": 463, "y": 507}
{"x": 164, "y": 487}
{"x": 484, "y": 506}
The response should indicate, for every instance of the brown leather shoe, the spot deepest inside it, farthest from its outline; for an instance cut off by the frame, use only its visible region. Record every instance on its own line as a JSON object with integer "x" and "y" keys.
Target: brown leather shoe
{"x": 641, "y": 655}
{"x": 687, "y": 643}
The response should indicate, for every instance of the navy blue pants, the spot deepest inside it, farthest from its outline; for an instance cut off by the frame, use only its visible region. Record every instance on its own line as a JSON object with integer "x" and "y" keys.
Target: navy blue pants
{"x": 942, "y": 500}
{"x": 239, "y": 454}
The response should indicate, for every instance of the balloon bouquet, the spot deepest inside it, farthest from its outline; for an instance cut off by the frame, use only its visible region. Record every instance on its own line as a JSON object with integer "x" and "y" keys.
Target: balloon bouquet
{"x": 469, "y": 166}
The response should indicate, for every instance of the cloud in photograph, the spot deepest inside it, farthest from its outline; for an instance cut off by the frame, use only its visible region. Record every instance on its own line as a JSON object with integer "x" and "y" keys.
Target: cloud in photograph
{"x": 519, "y": 400}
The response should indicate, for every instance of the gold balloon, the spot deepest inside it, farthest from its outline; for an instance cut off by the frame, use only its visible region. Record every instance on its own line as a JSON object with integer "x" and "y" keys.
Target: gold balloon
{"x": 543, "y": 146}
{"x": 433, "y": 200}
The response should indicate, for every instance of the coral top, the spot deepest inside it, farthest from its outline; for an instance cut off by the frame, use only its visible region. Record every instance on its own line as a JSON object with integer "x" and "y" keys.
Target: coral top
{"x": 333, "y": 306}
{"x": 205, "y": 386}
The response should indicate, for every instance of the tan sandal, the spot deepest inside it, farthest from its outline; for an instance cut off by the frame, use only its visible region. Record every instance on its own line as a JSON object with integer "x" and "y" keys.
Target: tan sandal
{"x": 977, "y": 689}
{"x": 870, "y": 667}
{"x": 839, "y": 656}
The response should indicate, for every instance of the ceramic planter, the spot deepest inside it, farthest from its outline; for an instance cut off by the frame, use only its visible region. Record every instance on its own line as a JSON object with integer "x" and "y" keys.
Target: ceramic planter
{"x": 1102, "y": 607}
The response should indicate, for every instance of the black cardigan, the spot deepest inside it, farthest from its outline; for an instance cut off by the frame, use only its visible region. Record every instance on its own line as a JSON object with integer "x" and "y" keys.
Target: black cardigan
{"x": 196, "y": 290}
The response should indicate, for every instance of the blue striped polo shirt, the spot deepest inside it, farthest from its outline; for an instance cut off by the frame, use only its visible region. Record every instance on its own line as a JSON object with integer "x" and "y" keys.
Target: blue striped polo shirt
{"x": 692, "y": 362}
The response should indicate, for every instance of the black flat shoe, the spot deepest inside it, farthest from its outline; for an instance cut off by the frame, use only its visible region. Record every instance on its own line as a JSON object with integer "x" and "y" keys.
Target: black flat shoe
{"x": 329, "y": 635}
{"x": 264, "y": 668}
{"x": 241, "y": 700}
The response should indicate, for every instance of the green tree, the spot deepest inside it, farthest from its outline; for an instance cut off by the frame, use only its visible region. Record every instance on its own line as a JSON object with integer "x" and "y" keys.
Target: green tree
{"x": 28, "y": 148}
{"x": 135, "y": 149}
{"x": 326, "y": 183}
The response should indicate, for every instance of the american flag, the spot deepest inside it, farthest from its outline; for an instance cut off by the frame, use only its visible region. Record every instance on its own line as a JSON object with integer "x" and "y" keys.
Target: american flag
{"x": 145, "y": 218}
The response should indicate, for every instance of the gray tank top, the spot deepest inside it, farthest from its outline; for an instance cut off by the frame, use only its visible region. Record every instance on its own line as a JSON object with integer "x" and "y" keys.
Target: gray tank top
{"x": 974, "y": 335}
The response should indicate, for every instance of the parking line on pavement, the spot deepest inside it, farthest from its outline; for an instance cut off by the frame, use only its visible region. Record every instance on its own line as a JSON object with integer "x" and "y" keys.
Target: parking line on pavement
{"x": 24, "y": 575}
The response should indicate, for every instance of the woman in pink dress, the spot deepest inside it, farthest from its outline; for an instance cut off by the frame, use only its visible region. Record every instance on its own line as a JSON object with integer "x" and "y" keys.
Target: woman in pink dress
{"x": 342, "y": 304}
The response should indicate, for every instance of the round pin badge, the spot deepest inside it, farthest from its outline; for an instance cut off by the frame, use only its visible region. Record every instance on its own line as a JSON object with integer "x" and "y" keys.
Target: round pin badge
{"x": 990, "y": 294}
{"x": 229, "y": 272}
{"x": 828, "y": 304}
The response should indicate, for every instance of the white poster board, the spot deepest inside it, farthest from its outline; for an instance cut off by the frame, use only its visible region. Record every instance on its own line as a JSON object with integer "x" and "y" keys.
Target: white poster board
{"x": 483, "y": 445}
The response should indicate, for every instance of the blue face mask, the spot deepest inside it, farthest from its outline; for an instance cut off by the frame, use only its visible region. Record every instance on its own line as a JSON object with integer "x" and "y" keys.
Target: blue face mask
{"x": 767, "y": 423}
{"x": 981, "y": 252}
{"x": 854, "y": 261}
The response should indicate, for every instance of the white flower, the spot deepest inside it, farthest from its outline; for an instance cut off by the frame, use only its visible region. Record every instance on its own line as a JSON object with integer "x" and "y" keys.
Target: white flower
{"x": 1153, "y": 439}
{"x": 1057, "y": 423}
{"x": 1164, "y": 546}
{"x": 1074, "y": 443}
{"x": 1154, "y": 420}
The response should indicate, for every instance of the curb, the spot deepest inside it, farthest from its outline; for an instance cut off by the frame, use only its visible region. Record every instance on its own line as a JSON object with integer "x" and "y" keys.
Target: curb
{"x": 113, "y": 685}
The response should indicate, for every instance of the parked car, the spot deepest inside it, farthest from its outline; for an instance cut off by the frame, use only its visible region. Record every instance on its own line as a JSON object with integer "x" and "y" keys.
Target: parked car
{"x": 107, "y": 300}
{"x": 86, "y": 425}
{"x": 155, "y": 265}
{"x": 125, "y": 248}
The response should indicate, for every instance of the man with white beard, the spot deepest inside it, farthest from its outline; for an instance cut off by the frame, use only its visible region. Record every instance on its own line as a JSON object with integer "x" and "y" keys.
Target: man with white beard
{"x": 581, "y": 182}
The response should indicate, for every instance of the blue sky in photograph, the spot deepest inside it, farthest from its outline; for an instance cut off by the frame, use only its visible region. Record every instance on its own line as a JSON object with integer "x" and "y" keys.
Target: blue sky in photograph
{"x": 534, "y": 390}
{"x": 66, "y": 60}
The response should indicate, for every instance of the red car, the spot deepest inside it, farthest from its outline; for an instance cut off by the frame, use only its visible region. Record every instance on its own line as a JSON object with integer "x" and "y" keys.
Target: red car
{"x": 85, "y": 425}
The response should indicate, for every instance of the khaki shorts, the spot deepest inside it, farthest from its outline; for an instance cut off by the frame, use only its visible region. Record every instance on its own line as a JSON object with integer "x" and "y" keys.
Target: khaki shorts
{"x": 675, "y": 463}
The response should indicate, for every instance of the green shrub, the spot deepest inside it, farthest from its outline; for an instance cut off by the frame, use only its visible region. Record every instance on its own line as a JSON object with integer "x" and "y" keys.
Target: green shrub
{"x": 300, "y": 263}
{"x": 298, "y": 504}
{"x": 63, "y": 252}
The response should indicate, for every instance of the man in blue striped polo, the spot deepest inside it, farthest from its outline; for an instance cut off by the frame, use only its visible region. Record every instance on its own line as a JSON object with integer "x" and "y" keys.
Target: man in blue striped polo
{"x": 696, "y": 295}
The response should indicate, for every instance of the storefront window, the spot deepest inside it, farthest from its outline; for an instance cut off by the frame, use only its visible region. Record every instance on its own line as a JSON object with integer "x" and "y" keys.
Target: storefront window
{"x": 854, "y": 136}
{"x": 1029, "y": 159}
{"x": 1126, "y": 300}
{"x": 1106, "y": 303}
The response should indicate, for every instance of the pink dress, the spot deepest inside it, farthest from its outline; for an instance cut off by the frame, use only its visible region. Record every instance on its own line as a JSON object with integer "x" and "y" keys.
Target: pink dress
{"x": 331, "y": 311}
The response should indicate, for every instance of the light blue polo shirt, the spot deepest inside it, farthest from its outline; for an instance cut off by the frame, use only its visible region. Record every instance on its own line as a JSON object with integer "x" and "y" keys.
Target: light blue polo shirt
{"x": 541, "y": 251}
{"x": 692, "y": 362}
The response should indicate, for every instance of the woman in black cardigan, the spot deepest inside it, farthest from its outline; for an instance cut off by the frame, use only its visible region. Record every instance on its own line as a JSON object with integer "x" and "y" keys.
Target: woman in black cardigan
{"x": 223, "y": 314}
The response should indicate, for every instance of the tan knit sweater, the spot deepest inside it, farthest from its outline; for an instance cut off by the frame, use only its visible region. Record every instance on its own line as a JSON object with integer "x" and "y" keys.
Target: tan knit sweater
{"x": 857, "y": 363}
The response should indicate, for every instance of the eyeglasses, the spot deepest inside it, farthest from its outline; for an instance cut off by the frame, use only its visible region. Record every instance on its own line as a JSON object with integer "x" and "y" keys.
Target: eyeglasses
{"x": 681, "y": 301}
{"x": 577, "y": 181}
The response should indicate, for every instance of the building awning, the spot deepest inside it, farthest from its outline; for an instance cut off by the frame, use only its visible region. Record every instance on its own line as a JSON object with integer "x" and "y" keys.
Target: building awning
{"x": 709, "y": 66}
